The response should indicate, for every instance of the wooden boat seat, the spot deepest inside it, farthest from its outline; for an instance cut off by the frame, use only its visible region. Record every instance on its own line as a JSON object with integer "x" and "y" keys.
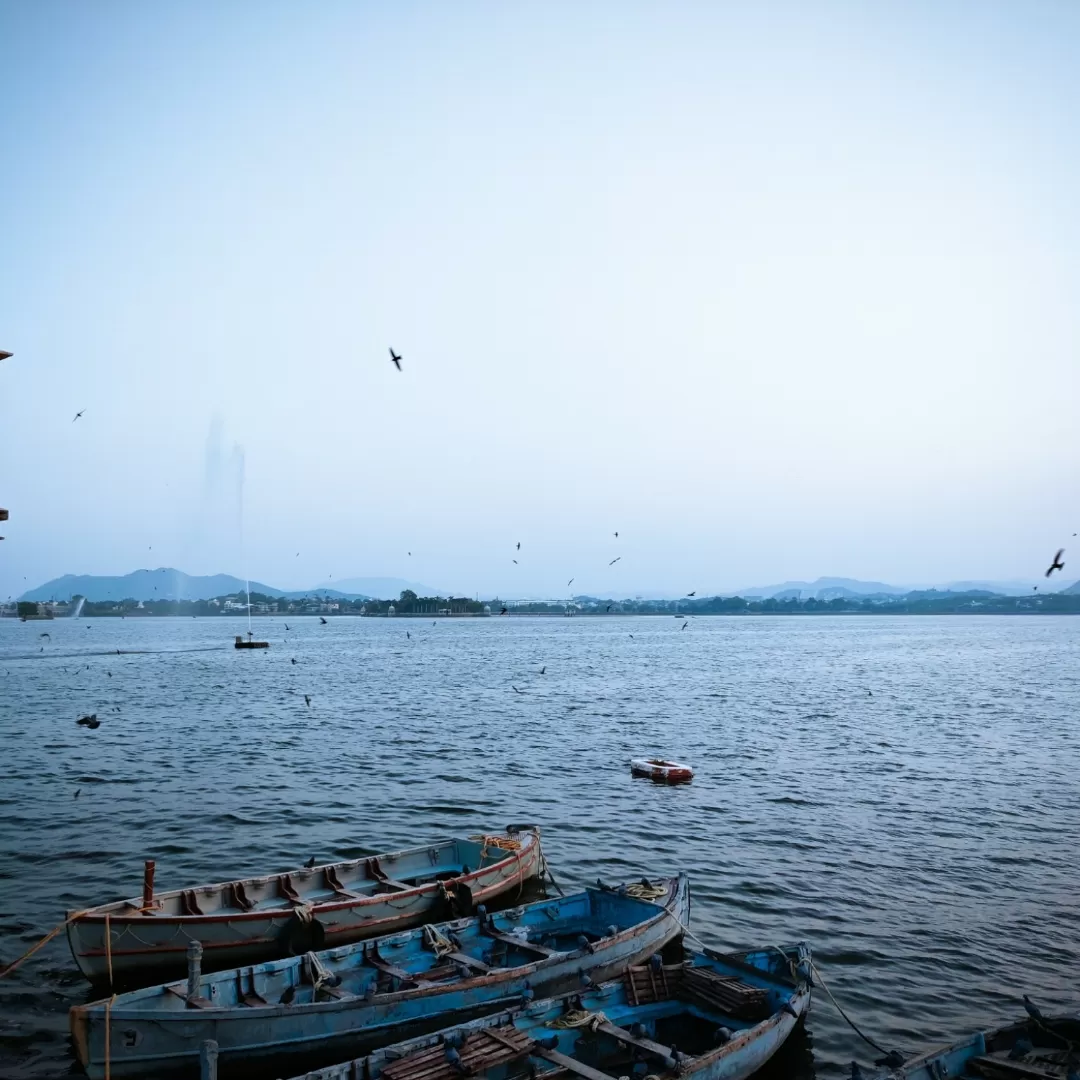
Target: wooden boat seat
{"x": 517, "y": 943}
{"x": 646, "y": 1046}
{"x": 468, "y": 961}
{"x": 1000, "y": 1067}
{"x": 570, "y": 1065}
{"x": 481, "y": 1051}
{"x": 334, "y": 882}
{"x": 191, "y": 1002}
{"x": 377, "y": 873}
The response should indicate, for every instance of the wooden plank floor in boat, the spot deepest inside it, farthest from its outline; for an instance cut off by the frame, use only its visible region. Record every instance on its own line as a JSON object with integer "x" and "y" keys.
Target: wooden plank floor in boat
{"x": 482, "y": 1050}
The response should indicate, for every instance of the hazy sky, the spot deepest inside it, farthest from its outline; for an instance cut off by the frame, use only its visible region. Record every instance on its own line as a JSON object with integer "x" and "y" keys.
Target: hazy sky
{"x": 774, "y": 290}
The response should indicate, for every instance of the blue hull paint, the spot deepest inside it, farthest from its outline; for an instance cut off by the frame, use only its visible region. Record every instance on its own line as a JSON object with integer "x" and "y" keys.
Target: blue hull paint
{"x": 1035, "y": 1046}
{"x": 154, "y": 1030}
{"x": 751, "y": 1045}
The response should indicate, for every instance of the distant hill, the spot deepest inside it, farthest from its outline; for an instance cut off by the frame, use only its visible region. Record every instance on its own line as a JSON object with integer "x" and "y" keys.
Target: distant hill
{"x": 832, "y": 586}
{"x": 378, "y": 588}
{"x": 1073, "y": 589}
{"x": 161, "y": 584}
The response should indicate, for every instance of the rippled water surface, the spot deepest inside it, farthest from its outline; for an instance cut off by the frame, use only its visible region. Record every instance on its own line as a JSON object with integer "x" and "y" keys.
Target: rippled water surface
{"x": 902, "y": 793}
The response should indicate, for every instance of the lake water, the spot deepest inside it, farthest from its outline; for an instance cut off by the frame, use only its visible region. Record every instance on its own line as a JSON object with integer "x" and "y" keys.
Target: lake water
{"x": 902, "y": 793}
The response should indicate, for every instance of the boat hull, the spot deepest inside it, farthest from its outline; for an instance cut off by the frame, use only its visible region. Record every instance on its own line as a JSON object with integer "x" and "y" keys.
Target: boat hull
{"x": 750, "y": 1048}
{"x": 144, "y": 1039}
{"x": 123, "y": 944}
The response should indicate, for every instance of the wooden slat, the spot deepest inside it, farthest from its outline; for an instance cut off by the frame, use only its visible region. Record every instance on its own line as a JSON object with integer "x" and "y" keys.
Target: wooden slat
{"x": 570, "y": 1065}
{"x": 517, "y": 943}
{"x": 994, "y": 1066}
{"x": 468, "y": 961}
{"x": 647, "y": 1046}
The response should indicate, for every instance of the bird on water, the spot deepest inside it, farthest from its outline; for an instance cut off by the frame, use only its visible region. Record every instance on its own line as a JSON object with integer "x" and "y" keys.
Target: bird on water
{"x": 395, "y": 359}
{"x": 307, "y": 700}
{"x": 91, "y": 721}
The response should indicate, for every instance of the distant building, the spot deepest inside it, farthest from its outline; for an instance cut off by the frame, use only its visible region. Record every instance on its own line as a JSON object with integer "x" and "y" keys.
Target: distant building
{"x": 391, "y": 610}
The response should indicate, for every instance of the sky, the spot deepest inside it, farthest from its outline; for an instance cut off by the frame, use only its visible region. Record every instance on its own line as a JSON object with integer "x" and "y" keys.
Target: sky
{"x": 772, "y": 290}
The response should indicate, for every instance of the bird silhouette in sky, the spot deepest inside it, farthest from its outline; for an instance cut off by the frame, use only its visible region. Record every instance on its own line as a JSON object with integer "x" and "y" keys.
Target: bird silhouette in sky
{"x": 569, "y": 583}
{"x": 616, "y": 536}
{"x": 514, "y": 561}
{"x": 694, "y": 593}
{"x": 78, "y": 414}
{"x": 1057, "y": 564}
{"x": 519, "y": 545}
{"x": 395, "y": 359}
{"x": 615, "y": 560}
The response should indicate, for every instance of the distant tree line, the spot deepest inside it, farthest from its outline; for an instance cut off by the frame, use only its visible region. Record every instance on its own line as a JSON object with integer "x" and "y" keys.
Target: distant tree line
{"x": 929, "y": 602}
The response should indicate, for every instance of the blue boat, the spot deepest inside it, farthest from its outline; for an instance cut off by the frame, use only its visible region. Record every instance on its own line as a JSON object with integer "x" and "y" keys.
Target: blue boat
{"x": 1038, "y": 1048}
{"x": 711, "y": 1018}
{"x": 369, "y": 993}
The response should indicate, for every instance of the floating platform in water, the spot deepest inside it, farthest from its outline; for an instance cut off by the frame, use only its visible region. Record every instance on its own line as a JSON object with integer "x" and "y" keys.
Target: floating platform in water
{"x": 250, "y": 644}
{"x": 663, "y": 772}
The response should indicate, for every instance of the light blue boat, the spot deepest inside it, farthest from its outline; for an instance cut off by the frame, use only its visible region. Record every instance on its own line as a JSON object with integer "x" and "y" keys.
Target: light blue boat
{"x": 369, "y": 993}
{"x": 711, "y": 1018}
{"x": 1037, "y": 1048}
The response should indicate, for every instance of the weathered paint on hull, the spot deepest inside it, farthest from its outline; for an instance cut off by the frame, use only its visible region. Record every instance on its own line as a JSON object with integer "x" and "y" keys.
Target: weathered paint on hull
{"x": 142, "y": 946}
{"x": 144, "y": 1042}
{"x": 738, "y": 1059}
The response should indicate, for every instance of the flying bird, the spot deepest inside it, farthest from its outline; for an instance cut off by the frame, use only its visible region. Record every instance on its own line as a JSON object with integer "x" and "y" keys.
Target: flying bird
{"x": 514, "y": 561}
{"x": 407, "y": 634}
{"x": 504, "y": 610}
{"x": 395, "y": 359}
{"x": 45, "y": 634}
{"x": 631, "y": 635}
{"x": 90, "y": 721}
{"x": 609, "y": 607}
{"x": 569, "y": 583}
{"x": 615, "y": 560}
{"x": 307, "y": 700}
{"x": 516, "y": 690}
{"x": 519, "y": 545}
{"x": 310, "y": 863}
{"x": 1057, "y": 564}
{"x": 685, "y": 625}
{"x": 286, "y": 626}
{"x": 78, "y": 414}
{"x": 694, "y": 593}
{"x": 616, "y": 536}
{"x": 322, "y": 620}
{"x": 76, "y": 795}
{"x": 543, "y": 669}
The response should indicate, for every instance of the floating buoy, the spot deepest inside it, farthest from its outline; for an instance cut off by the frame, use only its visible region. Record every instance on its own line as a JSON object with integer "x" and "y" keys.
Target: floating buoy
{"x": 663, "y": 772}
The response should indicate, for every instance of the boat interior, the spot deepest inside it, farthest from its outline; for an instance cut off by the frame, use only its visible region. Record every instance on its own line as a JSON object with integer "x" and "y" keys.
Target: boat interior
{"x": 330, "y": 883}
{"x": 416, "y": 958}
{"x": 657, "y": 1019}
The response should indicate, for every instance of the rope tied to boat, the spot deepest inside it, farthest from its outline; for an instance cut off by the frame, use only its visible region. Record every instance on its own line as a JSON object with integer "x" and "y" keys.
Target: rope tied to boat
{"x": 646, "y": 890}
{"x": 437, "y": 941}
{"x": 9, "y": 968}
{"x": 891, "y": 1058}
{"x": 318, "y": 973}
{"x": 579, "y": 1018}
{"x": 304, "y": 912}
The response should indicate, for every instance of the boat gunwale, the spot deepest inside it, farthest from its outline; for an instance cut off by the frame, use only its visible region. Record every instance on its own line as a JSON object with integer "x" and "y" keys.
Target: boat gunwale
{"x": 678, "y": 887}
{"x": 798, "y": 1000}
{"x": 114, "y": 910}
